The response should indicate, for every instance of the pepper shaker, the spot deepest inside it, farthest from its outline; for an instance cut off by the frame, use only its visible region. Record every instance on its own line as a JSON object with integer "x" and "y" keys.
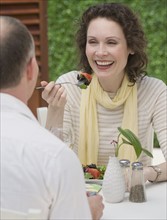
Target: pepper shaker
{"x": 137, "y": 189}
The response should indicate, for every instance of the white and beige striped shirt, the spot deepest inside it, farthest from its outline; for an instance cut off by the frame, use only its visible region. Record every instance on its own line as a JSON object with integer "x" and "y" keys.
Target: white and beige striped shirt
{"x": 152, "y": 116}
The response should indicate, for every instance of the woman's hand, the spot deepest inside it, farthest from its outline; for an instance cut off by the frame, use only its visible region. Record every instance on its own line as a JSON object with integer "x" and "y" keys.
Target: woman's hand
{"x": 54, "y": 95}
{"x": 151, "y": 175}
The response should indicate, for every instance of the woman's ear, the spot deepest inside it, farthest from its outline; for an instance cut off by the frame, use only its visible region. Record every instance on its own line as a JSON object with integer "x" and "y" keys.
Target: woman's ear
{"x": 131, "y": 52}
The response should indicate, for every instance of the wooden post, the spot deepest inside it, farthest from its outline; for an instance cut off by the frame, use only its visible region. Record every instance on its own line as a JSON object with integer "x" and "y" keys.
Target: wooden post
{"x": 33, "y": 13}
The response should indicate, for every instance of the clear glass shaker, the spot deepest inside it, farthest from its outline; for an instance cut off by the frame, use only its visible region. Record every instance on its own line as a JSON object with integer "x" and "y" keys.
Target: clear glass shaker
{"x": 125, "y": 164}
{"x": 137, "y": 189}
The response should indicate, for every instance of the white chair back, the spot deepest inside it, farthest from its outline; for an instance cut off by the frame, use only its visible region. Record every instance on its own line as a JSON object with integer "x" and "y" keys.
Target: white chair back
{"x": 42, "y": 115}
{"x": 32, "y": 214}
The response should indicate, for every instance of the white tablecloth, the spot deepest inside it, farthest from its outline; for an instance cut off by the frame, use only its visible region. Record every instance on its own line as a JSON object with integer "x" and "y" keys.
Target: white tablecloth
{"x": 155, "y": 208}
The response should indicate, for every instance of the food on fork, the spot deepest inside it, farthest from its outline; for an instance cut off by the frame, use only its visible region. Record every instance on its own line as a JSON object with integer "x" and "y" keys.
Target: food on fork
{"x": 84, "y": 80}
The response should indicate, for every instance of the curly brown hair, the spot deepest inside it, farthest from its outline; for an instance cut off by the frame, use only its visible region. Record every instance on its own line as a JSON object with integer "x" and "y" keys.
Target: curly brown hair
{"x": 132, "y": 29}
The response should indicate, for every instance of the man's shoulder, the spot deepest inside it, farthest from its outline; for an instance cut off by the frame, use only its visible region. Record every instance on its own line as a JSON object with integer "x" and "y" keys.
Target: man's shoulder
{"x": 55, "y": 154}
{"x": 45, "y": 141}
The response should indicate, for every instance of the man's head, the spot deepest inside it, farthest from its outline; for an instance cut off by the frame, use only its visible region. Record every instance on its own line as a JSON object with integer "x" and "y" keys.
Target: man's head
{"x": 17, "y": 56}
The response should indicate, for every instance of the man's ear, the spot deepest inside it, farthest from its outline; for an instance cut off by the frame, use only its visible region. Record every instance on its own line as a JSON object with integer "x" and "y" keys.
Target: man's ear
{"x": 32, "y": 69}
{"x": 29, "y": 69}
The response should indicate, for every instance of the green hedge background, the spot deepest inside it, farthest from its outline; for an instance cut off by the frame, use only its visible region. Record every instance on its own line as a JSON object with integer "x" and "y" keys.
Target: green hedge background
{"x": 62, "y": 20}
{"x": 62, "y": 17}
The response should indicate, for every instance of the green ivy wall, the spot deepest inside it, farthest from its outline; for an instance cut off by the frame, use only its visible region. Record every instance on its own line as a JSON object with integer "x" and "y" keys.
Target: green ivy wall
{"x": 62, "y": 18}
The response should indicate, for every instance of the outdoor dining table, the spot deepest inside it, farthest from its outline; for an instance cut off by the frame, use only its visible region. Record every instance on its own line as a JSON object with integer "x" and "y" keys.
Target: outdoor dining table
{"x": 155, "y": 208}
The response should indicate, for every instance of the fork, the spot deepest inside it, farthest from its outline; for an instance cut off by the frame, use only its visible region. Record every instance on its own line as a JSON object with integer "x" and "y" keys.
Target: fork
{"x": 42, "y": 87}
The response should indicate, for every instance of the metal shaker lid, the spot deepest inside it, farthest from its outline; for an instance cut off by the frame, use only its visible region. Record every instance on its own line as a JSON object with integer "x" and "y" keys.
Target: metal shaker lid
{"x": 137, "y": 165}
{"x": 124, "y": 163}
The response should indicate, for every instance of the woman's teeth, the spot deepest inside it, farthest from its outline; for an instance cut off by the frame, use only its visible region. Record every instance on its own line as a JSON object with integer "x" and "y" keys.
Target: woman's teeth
{"x": 100, "y": 63}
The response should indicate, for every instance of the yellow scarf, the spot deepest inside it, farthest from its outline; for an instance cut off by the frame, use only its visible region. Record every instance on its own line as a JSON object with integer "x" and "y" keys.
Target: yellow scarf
{"x": 89, "y": 136}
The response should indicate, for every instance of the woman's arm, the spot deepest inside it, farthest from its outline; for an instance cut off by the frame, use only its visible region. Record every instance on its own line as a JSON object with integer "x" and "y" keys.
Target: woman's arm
{"x": 55, "y": 96}
{"x": 156, "y": 173}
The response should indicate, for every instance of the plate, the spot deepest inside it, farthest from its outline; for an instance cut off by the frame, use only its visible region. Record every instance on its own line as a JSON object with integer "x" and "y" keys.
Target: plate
{"x": 92, "y": 189}
{"x": 94, "y": 181}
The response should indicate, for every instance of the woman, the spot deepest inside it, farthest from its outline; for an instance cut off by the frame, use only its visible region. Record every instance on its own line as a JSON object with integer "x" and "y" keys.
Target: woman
{"x": 112, "y": 48}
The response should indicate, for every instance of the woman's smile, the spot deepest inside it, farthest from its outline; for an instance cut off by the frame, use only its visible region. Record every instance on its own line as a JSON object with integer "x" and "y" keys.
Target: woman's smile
{"x": 103, "y": 65}
{"x": 106, "y": 49}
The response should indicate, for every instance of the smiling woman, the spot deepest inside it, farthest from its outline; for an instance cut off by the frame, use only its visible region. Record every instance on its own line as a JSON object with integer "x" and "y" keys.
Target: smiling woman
{"x": 119, "y": 95}
{"x": 107, "y": 52}
{"x": 63, "y": 15}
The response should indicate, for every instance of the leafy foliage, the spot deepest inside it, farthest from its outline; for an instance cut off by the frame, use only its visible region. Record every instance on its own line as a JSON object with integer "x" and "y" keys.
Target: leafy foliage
{"x": 131, "y": 139}
{"x": 62, "y": 21}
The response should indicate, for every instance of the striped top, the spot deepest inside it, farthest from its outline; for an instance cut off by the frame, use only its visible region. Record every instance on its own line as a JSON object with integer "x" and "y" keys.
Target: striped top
{"x": 152, "y": 115}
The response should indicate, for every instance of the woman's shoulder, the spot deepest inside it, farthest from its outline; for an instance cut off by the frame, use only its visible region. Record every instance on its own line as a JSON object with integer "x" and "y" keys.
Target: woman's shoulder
{"x": 69, "y": 77}
{"x": 73, "y": 92}
{"x": 151, "y": 83}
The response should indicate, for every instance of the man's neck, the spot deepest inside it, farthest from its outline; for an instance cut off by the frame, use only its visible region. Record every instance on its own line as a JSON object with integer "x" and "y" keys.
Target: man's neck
{"x": 16, "y": 92}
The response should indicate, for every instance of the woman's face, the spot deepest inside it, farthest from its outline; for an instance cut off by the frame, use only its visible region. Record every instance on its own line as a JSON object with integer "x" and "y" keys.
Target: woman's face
{"x": 106, "y": 49}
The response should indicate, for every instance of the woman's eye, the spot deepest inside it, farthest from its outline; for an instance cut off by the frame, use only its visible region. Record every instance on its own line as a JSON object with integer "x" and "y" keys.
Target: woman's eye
{"x": 92, "y": 42}
{"x": 112, "y": 42}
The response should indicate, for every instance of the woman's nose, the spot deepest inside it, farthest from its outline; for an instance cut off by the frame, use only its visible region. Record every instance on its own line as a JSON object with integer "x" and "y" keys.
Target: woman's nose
{"x": 101, "y": 50}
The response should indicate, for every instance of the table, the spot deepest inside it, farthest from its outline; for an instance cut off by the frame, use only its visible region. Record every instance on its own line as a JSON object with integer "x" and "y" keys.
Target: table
{"x": 153, "y": 209}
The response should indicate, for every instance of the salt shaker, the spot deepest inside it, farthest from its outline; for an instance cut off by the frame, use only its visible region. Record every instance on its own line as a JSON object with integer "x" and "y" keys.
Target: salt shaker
{"x": 137, "y": 189}
{"x": 125, "y": 165}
